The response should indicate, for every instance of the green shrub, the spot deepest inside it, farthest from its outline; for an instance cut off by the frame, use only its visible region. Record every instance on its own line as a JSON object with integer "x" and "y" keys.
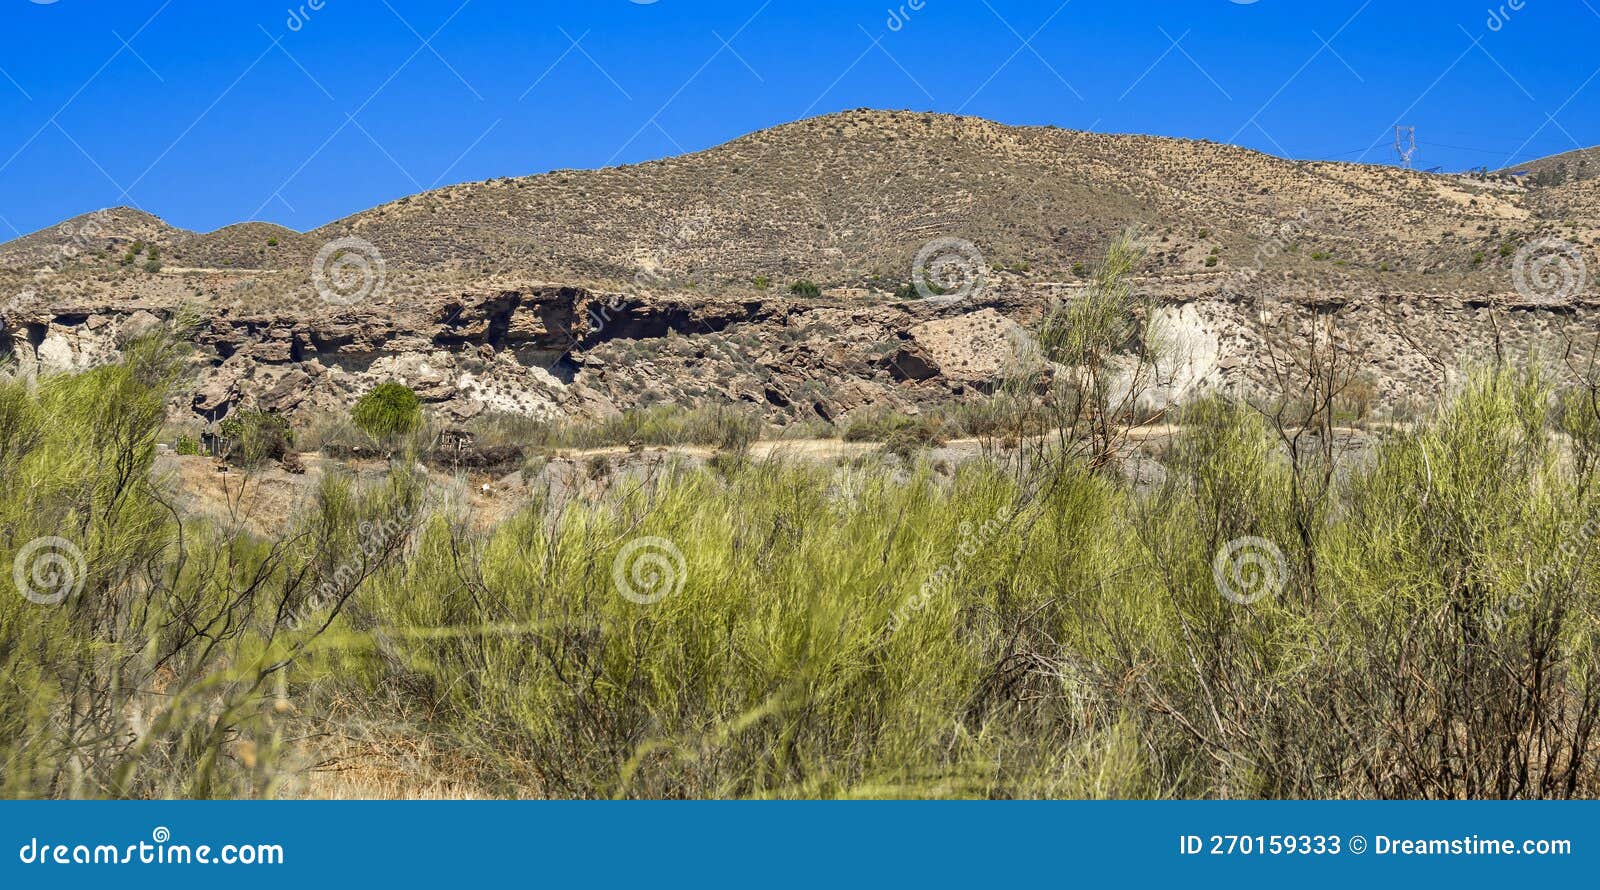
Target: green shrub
{"x": 256, "y": 436}
{"x": 804, "y": 288}
{"x": 908, "y": 291}
{"x": 387, "y": 412}
{"x": 876, "y": 425}
{"x": 907, "y": 442}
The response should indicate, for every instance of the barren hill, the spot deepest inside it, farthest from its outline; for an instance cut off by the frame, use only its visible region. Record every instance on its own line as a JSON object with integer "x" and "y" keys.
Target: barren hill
{"x": 844, "y": 197}
{"x": 590, "y": 291}
{"x": 103, "y": 230}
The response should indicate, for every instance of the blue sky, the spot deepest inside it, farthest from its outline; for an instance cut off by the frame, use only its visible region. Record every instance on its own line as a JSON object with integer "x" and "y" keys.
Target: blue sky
{"x": 209, "y": 113}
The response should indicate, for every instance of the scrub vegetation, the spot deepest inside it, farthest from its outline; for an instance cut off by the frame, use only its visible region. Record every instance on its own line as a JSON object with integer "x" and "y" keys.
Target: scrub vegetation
{"x": 1416, "y": 621}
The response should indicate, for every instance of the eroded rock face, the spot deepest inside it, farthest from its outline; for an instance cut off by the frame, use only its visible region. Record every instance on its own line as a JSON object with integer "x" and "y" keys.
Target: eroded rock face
{"x": 547, "y": 351}
{"x": 518, "y": 351}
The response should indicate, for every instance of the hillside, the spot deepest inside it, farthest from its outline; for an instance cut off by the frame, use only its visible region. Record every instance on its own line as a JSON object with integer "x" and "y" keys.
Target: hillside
{"x": 109, "y": 230}
{"x": 589, "y": 292}
{"x": 1558, "y": 169}
{"x": 845, "y": 197}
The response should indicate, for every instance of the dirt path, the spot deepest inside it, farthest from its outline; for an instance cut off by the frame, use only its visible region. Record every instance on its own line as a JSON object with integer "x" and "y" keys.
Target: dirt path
{"x": 825, "y": 450}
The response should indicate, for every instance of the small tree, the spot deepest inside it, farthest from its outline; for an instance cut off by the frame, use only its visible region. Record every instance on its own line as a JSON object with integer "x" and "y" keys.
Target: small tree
{"x": 256, "y": 436}
{"x": 388, "y": 411}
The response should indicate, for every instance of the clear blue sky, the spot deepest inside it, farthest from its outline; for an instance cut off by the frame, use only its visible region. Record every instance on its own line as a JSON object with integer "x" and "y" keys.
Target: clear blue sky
{"x": 201, "y": 117}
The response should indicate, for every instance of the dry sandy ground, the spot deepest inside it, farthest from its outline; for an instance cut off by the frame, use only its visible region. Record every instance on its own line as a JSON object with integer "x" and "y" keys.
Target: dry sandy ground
{"x": 261, "y": 499}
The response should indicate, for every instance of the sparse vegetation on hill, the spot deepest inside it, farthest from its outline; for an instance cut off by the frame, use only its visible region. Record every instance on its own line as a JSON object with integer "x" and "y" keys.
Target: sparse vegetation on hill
{"x": 1034, "y": 198}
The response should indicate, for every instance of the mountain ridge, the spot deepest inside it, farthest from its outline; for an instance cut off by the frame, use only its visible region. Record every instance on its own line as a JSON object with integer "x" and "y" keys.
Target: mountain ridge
{"x": 851, "y": 195}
